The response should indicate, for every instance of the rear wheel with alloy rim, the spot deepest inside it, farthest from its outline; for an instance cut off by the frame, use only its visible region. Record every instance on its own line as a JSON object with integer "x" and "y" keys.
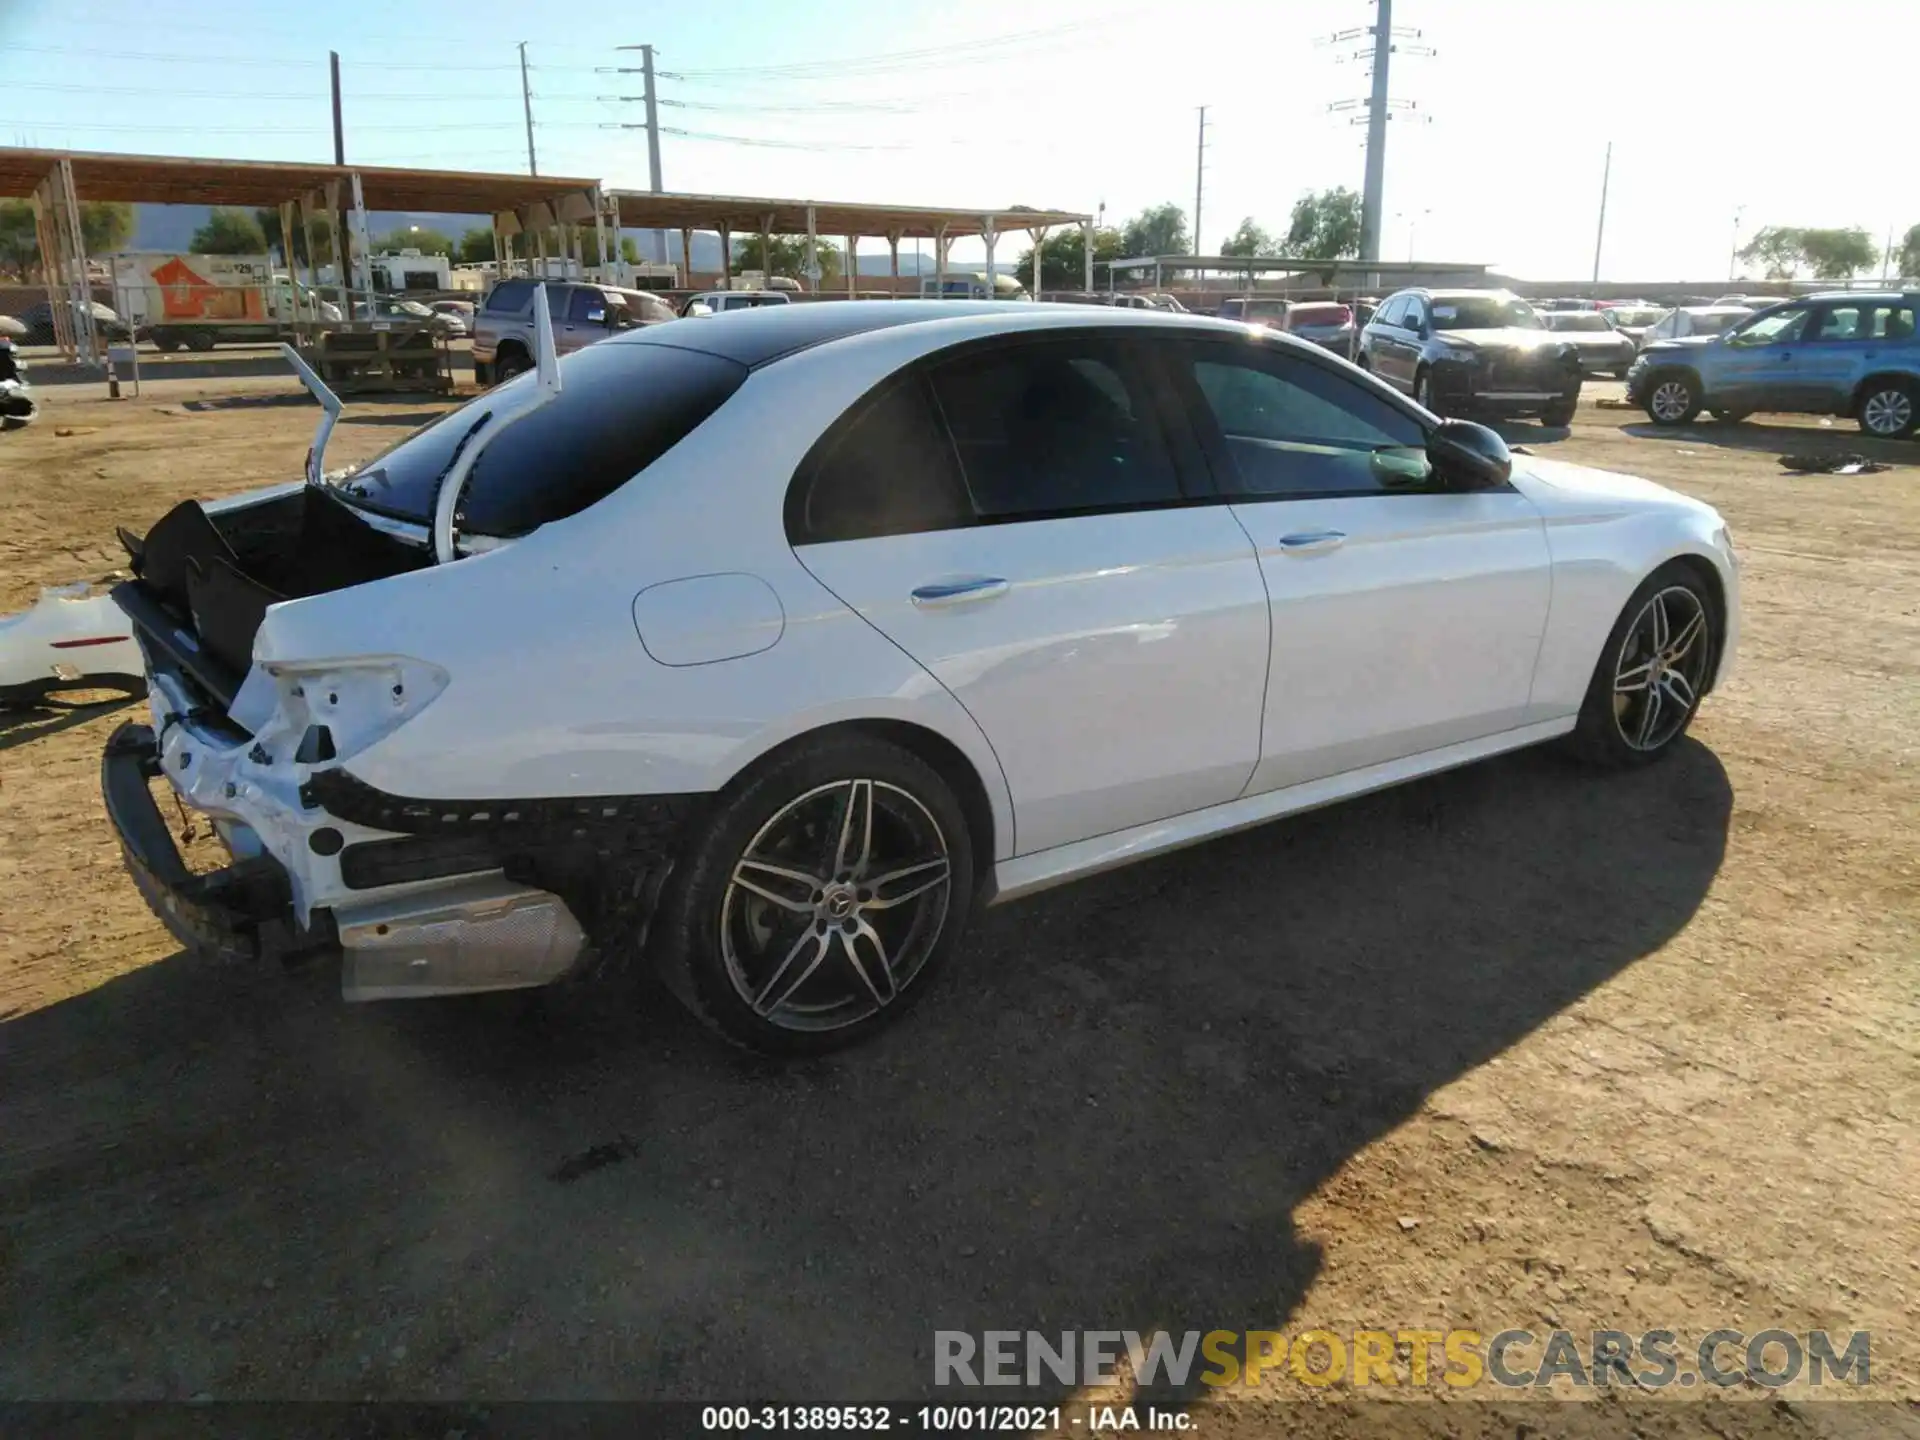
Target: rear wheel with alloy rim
{"x": 1888, "y": 410}
{"x": 1656, "y": 665}
{"x": 1673, "y": 400}
{"x": 817, "y": 907}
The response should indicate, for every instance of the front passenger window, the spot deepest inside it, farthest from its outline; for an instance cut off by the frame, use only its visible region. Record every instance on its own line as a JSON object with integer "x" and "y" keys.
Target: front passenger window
{"x": 1290, "y": 428}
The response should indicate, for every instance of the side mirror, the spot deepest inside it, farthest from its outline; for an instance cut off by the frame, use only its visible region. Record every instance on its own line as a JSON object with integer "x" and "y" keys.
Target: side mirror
{"x": 1467, "y": 456}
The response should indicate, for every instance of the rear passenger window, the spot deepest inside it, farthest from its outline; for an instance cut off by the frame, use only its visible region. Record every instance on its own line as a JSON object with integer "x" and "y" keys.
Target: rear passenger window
{"x": 1054, "y": 428}
{"x": 510, "y": 297}
{"x": 888, "y": 471}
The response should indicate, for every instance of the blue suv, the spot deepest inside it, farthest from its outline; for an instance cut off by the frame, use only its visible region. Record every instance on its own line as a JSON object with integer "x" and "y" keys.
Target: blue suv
{"x": 1850, "y": 353}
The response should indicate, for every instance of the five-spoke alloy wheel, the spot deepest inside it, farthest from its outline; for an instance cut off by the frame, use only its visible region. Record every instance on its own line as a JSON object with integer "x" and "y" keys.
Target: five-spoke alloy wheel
{"x": 1655, "y": 668}
{"x": 1661, "y": 669}
{"x": 816, "y": 903}
{"x": 835, "y": 906}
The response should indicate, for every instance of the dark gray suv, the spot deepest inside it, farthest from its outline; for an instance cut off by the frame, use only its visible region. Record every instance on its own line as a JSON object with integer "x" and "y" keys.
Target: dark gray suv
{"x": 582, "y": 313}
{"x": 1462, "y": 352}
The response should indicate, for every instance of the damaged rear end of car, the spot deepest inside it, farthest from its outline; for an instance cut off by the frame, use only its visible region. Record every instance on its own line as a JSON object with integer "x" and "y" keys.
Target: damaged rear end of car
{"x": 281, "y": 644}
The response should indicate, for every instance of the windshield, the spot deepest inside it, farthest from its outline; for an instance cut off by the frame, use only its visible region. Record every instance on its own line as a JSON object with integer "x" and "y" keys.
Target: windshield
{"x": 1712, "y": 323}
{"x": 1578, "y": 320}
{"x": 1484, "y": 312}
{"x": 622, "y": 406}
{"x": 1635, "y": 315}
{"x": 1777, "y": 325}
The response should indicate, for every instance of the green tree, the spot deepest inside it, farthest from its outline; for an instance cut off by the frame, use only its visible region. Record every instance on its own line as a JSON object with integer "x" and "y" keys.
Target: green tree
{"x": 789, "y": 257}
{"x": 229, "y": 232}
{"x": 1325, "y": 225}
{"x": 1838, "y": 254}
{"x": 1776, "y": 249}
{"x": 1063, "y": 259}
{"x": 1250, "y": 239}
{"x": 1157, "y": 230}
{"x": 629, "y": 250}
{"x": 416, "y": 237}
{"x": 476, "y": 246}
{"x": 19, "y": 249}
{"x": 105, "y": 226}
{"x": 1909, "y": 253}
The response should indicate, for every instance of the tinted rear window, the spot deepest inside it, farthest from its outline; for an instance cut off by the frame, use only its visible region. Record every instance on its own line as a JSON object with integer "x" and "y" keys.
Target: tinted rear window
{"x": 622, "y": 406}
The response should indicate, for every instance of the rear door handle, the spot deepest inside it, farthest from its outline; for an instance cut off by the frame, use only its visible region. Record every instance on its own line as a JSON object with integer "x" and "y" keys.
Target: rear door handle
{"x": 1312, "y": 542}
{"x": 959, "y": 592}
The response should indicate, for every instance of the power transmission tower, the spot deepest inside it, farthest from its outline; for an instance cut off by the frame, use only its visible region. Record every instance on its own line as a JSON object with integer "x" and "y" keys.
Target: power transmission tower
{"x": 526, "y": 100}
{"x": 1199, "y": 178}
{"x": 1380, "y": 106}
{"x": 650, "y": 97}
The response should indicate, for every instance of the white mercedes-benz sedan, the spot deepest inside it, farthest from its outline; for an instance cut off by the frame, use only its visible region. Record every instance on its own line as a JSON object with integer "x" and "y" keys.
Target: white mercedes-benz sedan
{"x": 768, "y": 648}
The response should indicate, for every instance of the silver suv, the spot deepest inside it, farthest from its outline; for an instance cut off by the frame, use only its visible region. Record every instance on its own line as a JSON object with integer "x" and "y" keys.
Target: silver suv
{"x": 582, "y": 313}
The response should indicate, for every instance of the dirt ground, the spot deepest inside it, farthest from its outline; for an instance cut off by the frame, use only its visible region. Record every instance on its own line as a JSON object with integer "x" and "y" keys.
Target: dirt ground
{"x": 1517, "y": 1047}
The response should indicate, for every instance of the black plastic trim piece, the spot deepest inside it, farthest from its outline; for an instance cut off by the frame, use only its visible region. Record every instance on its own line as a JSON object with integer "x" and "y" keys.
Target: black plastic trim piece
{"x": 162, "y": 634}
{"x": 371, "y": 864}
{"x": 628, "y": 822}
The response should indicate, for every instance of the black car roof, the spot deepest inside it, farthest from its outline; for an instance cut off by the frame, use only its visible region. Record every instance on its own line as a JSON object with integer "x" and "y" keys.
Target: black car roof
{"x": 762, "y": 334}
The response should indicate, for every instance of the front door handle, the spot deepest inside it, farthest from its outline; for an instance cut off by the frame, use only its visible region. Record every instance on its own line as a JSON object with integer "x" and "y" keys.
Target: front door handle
{"x": 959, "y": 592}
{"x": 1312, "y": 542}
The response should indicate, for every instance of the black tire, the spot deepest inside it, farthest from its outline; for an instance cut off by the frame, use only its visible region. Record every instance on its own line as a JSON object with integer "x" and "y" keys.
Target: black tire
{"x": 510, "y": 362}
{"x": 15, "y": 422}
{"x": 1559, "y": 415}
{"x": 200, "y": 341}
{"x": 166, "y": 341}
{"x": 706, "y": 918}
{"x": 1673, "y": 398}
{"x": 1730, "y": 417}
{"x": 1889, "y": 409}
{"x": 1608, "y": 712}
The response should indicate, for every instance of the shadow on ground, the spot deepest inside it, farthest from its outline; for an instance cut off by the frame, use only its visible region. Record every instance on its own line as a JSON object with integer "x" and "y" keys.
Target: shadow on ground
{"x": 1843, "y": 436}
{"x": 1104, "y": 1118}
{"x": 23, "y": 723}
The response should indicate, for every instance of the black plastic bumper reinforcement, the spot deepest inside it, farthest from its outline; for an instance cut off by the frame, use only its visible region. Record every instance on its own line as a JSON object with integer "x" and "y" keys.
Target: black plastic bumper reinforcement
{"x": 369, "y": 864}
{"x": 245, "y": 908}
{"x": 629, "y": 823}
{"x": 173, "y": 644}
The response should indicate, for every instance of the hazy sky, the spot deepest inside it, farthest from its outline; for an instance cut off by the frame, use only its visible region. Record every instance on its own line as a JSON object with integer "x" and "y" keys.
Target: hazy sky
{"x": 1711, "y": 105}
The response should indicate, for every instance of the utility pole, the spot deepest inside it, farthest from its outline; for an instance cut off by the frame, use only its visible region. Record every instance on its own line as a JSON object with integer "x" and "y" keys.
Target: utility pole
{"x": 1199, "y": 178}
{"x": 1733, "y": 254}
{"x": 1379, "y": 107}
{"x": 339, "y": 133}
{"x": 1600, "y": 235}
{"x": 652, "y": 101}
{"x": 526, "y": 100}
{"x": 1376, "y": 185}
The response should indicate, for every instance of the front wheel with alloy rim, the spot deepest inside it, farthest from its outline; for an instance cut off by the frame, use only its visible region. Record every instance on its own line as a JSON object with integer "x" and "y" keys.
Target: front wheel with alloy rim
{"x": 1887, "y": 410}
{"x": 818, "y": 903}
{"x": 1656, "y": 665}
{"x": 1673, "y": 400}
